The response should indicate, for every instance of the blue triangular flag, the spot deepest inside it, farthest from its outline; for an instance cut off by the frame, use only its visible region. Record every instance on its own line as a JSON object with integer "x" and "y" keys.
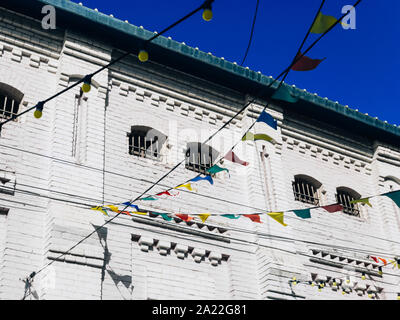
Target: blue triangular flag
{"x": 268, "y": 119}
{"x": 208, "y": 178}
{"x": 131, "y": 205}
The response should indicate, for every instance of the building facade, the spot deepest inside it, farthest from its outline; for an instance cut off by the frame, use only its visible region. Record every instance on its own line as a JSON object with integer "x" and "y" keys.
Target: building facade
{"x": 109, "y": 145}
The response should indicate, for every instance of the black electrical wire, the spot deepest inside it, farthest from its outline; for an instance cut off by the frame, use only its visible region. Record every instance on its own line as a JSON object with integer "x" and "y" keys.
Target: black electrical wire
{"x": 304, "y": 40}
{"x": 205, "y": 4}
{"x": 225, "y": 125}
{"x": 251, "y": 33}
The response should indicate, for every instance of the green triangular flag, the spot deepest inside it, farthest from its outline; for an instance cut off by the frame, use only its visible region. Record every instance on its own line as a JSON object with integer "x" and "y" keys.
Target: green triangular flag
{"x": 283, "y": 94}
{"x": 149, "y": 199}
{"x": 164, "y": 215}
{"x": 304, "y": 214}
{"x": 322, "y": 23}
{"x": 215, "y": 169}
{"x": 395, "y": 196}
{"x": 230, "y": 216}
{"x": 258, "y": 136}
{"x": 363, "y": 201}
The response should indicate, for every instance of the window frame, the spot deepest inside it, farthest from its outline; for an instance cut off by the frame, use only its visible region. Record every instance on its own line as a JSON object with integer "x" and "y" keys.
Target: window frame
{"x": 9, "y": 93}
{"x": 137, "y": 137}
{"x": 304, "y": 195}
{"x": 199, "y": 166}
{"x": 344, "y": 196}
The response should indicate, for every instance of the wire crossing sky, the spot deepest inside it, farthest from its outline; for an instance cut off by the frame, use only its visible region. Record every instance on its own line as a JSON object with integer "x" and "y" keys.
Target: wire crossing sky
{"x": 361, "y": 69}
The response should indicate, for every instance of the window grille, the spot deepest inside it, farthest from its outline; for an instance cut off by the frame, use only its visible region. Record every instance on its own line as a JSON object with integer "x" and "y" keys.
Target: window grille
{"x": 8, "y": 106}
{"x": 344, "y": 198}
{"x": 305, "y": 191}
{"x": 200, "y": 157}
{"x": 146, "y": 142}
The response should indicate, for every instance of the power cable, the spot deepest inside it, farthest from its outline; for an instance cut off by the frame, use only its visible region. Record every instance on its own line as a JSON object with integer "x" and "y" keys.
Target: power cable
{"x": 251, "y": 33}
{"x": 226, "y": 124}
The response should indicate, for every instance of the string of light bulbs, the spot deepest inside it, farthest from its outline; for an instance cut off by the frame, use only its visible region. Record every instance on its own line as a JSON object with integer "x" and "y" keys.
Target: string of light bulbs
{"x": 143, "y": 56}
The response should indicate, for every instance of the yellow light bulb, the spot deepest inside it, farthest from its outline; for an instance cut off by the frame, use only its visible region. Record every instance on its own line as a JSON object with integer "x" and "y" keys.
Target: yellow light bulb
{"x": 348, "y": 281}
{"x": 37, "y": 114}
{"x": 86, "y": 87}
{"x": 143, "y": 56}
{"x": 334, "y": 284}
{"x": 398, "y": 297}
{"x": 207, "y": 14}
{"x": 343, "y": 292}
{"x": 363, "y": 277}
{"x": 312, "y": 284}
{"x": 370, "y": 296}
{"x": 319, "y": 290}
{"x": 294, "y": 283}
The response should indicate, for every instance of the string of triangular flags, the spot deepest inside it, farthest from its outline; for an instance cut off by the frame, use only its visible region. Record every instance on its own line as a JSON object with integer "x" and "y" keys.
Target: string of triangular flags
{"x": 265, "y": 120}
{"x": 303, "y": 63}
{"x": 277, "y": 216}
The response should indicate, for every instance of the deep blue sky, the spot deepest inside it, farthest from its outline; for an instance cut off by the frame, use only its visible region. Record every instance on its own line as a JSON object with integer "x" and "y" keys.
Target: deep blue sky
{"x": 361, "y": 69}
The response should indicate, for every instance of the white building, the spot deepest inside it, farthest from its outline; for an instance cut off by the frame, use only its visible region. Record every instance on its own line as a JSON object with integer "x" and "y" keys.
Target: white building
{"x": 85, "y": 150}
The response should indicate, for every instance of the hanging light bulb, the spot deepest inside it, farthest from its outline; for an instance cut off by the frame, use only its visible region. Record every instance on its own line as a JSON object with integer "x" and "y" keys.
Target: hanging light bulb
{"x": 87, "y": 81}
{"x": 347, "y": 280}
{"x": 363, "y": 276}
{"x": 143, "y": 55}
{"x": 207, "y": 12}
{"x": 334, "y": 283}
{"x": 294, "y": 282}
{"x": 380, "y": 271}
{"x": 370, "y": 296}
{"x": 398, "y": 296}
{"x": 39, "y": 110}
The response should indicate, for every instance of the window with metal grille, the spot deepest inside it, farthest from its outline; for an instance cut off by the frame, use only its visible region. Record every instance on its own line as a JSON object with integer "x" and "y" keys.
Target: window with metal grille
{"x": 146, "y": 142}
{"x": 200, "y": 157}
{"x": 305, "y": 190}
{"x": 345, "y": 196}
{"x": 10, "y": 99}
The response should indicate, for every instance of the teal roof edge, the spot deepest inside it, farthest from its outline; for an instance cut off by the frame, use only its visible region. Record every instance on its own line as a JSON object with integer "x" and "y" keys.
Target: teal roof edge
{"x": 184, "y": 49}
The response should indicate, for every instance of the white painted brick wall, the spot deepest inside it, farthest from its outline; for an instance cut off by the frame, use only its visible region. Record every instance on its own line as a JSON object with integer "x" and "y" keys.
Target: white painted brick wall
{"x": 259, "y": 259}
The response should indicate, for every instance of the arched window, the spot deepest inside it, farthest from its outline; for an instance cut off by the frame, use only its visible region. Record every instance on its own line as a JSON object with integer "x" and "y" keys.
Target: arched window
{"x": 345, "y": 196}
{"x": 146, "y": 142}
{"x": 200, "y": 157}
{"x": 392, "y": 183}
{"x": 10, "y": 99}
{"x": 306, "y": 189}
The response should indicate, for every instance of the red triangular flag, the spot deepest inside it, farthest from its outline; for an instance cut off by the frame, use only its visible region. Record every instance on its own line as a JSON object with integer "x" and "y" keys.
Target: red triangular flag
{"x": 234, "y": 158}
{"x": 306, "y": 63}
{"x": 253, "y": 217}
{"x": 184, "y": 217}
{"x": 333, "y": 208}
{"x": 374, "y": 258}
{"x": 165, "y": 192}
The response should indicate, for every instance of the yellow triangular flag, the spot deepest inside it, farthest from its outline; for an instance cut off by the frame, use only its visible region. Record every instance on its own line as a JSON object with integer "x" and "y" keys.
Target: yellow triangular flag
{"x": 187, "y": 186}
{"x": 204, "y": 216}
{"x": 101, "y": 209}
{"x": 322, "y": 23}
{"x": 113, "y": 208}
{"x": 139, "y": 213}
{"x": 278, "y": 216}
{"x": 363, "y": 201}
